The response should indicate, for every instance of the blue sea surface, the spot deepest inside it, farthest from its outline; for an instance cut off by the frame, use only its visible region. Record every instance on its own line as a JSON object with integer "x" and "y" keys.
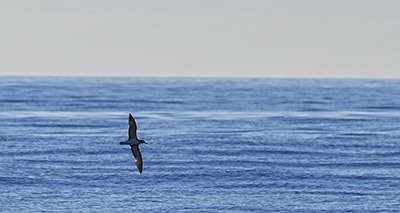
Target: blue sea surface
{"x": 214, "y": 145}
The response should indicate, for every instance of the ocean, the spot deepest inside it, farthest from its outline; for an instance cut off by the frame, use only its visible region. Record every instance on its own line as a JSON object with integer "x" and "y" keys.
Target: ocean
{"x": 214, "y": 145}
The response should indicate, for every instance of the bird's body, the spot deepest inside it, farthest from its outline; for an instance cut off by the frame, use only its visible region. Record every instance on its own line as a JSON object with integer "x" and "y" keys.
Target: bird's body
{"x": 134, "y": 142}
{"x": 131, "y": 141}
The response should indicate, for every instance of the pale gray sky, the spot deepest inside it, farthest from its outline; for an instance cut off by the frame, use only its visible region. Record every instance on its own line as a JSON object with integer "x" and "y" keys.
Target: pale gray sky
{"x": 203, "y": 38}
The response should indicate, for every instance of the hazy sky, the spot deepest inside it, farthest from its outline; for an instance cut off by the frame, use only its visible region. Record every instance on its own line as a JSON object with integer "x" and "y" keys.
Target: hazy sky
{"x": 203, "y": 38}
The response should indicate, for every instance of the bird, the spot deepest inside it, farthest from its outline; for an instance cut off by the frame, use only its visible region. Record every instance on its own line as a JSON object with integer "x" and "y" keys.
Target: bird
{"x": 134, "y": 142}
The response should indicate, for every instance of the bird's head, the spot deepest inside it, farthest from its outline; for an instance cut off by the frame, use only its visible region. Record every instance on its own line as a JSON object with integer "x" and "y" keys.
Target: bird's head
{"x": 142, "y": 141}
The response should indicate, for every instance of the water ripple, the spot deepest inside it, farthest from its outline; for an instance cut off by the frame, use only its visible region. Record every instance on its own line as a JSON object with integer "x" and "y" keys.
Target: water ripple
{"x": 218, "y": 115}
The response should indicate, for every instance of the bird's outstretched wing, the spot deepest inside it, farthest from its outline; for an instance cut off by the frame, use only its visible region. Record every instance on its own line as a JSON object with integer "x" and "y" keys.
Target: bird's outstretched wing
{"x": 138, "y": 157}
{"x": 132, "y": 127}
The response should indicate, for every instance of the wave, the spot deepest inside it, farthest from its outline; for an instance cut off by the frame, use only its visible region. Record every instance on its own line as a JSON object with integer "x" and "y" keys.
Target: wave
{"x": 217, "y": 115}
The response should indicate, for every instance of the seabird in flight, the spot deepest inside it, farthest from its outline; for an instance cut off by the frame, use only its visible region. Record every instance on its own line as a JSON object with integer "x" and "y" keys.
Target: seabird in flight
{"x": 134, "y": 142}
